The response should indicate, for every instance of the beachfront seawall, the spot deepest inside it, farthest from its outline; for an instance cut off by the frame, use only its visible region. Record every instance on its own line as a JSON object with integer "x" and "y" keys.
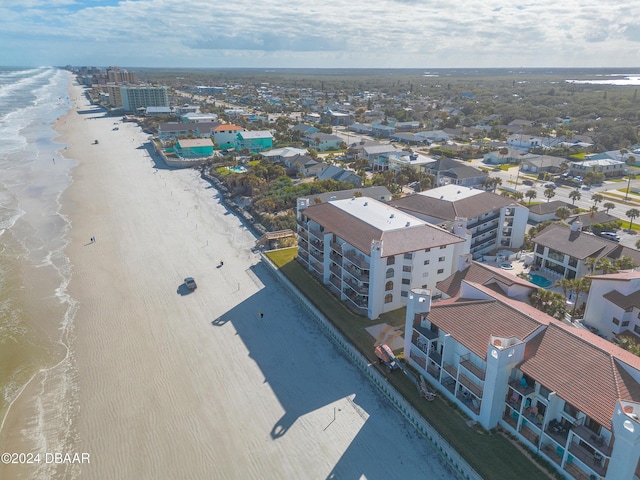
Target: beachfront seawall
{"x": 452, "y": 457}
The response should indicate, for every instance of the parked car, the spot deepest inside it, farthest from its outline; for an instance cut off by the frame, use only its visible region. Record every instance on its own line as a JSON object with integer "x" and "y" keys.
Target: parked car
{"x": 610, "y": 236}
{"x": 550, "y": 185}
{"x": 190, "y": 283}
{"x": 527, "y": 182}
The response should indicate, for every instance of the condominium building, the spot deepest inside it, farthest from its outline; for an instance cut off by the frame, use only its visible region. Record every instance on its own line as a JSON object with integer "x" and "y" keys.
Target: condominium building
{"x": 571, "y": 397}
{"x": 493, "y": 221}
{"x": 370, "y": 254}
{"x": 131, "y": 98}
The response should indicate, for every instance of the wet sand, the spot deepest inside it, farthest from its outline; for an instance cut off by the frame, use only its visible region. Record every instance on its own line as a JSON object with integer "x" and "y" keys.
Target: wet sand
{"x": 176, "y": 384}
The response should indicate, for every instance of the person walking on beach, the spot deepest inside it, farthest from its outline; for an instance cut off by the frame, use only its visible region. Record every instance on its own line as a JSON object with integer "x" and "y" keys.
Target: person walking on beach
{"x": 261, "y": 314}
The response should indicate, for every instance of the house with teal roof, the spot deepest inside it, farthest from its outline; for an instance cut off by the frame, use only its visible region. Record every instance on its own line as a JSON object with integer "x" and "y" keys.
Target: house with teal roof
{"x": 255, "y": 141}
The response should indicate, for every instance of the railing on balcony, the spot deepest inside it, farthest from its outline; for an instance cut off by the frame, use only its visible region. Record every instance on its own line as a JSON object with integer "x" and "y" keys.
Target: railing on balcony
{"x": 303, "y": 243}
{"x": 361, "y": 289}
{"x": 493, "y": 226}
{"x": 425, "y": 332}
{"x": 593, "y": 461}
{"x": 335, "y": 257}
{"x": 470, "y": 384}
{"x": 357, "y": 260}
{"x": 319, "y": 244}
{"x": 597, "y": 442}
{"x": 318, "y": 267}
{"x": 317, "y": 254}
{"x": 558, "y": 257}
{"x": 482, "y": 241}
{"x": 360, "y": 275}
{"x": 316, "y": 233}
{"x": 337, "y": 247}
{"x": 303, "y": 234}
{"x": 353, "y": 298}
{"x": 476, "y": 371}
{"x": 303, "y": 256}
{"x": 336, "y": 282}
{"x": 451, "y": 370}
{"x": 335, "y": 269}
{"x": 482, "y": 220}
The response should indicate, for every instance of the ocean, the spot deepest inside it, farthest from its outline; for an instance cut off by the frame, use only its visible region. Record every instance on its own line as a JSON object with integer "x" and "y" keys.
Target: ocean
{"x": 36, "y": 314}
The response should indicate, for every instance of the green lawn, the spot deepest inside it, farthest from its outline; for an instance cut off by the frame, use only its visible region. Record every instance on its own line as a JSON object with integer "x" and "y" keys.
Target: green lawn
{"x": 491, "y": 454}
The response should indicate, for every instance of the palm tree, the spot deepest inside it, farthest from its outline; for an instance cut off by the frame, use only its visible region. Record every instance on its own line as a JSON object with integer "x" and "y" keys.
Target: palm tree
{"x": 531, "y": 194}
{"x": 609, "y": 206}
{"x": 591, "y": 263}
{"x": 605, "y": 266}
{"x": 624, "y": 263}
{"x": 565, "y": 285}
{"x": 632, "y": 213}
{"x": 597, "y": 198}
{"x": 580, "y": 285}
{"x": 518, "y": 195}
{"x": 549, "y": 193}
{"x": 562, "y": 213}
{"x": 574, "y": 195}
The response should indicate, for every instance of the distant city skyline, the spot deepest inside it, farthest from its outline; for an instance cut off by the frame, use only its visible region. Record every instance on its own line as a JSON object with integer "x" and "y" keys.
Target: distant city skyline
{"x": 306, "y": 34}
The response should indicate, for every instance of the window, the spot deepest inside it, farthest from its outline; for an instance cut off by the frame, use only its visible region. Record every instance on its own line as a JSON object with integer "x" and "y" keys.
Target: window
{"x": 406, "y": 268}
{"x": 570, "y": 409}
{"x": 406, "y": 281}
{"x": 426, "y": 262}
{"x": 441, "y": 259}
{"x": 388, "y": 298}
{"x": 442, "y": 247}
{"x": 388, "y": 286}
{"x": 440, "y": 270}
{"x": 625, "y": 323}
{"x": 404, "y": 293}
{"x": 391, "y": 260}
{"x": 389, "y": 272}
{"x": 636, "y": 328}
{"x": 424, "y": 286}
{"x": 427, "y": 250}
{"x": 615, "y": 321}
{"x": 408, "y": 256}
{"x": 544, "y": 392}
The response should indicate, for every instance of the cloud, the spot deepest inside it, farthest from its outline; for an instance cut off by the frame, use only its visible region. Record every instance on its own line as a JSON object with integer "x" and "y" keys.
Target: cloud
{"x": 332, "y": 33}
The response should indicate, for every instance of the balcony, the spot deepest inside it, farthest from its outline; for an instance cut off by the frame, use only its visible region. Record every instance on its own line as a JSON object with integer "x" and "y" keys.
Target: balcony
{"x": 487, "y": 229}
{"x": 336, "y": 257}
{"x": 303, "y": 234}
{"x": 470, "y": 385}
{"x": 302, "y": 242}
{"x": 361, "y": 289}
{"x": 360, "y": 275}
{"x": 472, "y": 368}
{"x": 359, "y": 303}
{"x": 336, "y": 282}
{"x": 335, "y": 269}
{"x": 598, "y": 443}
{"x": 425, "y": 332}
{"x": 315, "y": 232}
{"x": 357, "y": 259}
{"x": 482, "y": 241}
{"x": 318, "y": 267}
{"x": 302, "y": 223}
{"x": 593, "y": 461}
{"x": 317, "y": 254}
{"x": 303, "y": 257}
{"x": 337, "y": 247}
{"x": 523, "y": 390}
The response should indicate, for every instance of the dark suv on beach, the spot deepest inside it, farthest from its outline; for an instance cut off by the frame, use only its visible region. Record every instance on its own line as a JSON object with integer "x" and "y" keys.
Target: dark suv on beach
{"x": 190, "y": 283}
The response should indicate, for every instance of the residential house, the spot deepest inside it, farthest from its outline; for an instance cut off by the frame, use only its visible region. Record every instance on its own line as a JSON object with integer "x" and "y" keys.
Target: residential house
{"x": 613, "y": 306}
{"x": 305, "y": 165}
{"x": 589, "y": 219}
{"x": 333, "y": 117}
{"x": 395, "y": 161}
{"x": 198, "y": 117}
{"x": 370, "y": 254}
{"x": 194, "y": 147}
{"x": 539, "y": 164}
{"x": 408, "y": 138}
{"x": 255, "y": 140}
{"x": 541, "y": 212}
{"x": 304, "y": 129}
{"x": 455, "y": 172}
{"x": 361, "y": 128}
{"x": 434, "y": 136}
{"x": 607, "y": 166}
{"x": 225, "y": 135}
{"x": 492, "y": 222}
{"x": 382, "y": 131}
{"x": 563, "y": 251}
{"x": 333, "y": 172}
{"x": 511, "y": 156}
{"x": 284, "y": 154}
{"x": 168, "y": 131}
{"x": 323, "y": 141}
{"x": 504, "y": 363}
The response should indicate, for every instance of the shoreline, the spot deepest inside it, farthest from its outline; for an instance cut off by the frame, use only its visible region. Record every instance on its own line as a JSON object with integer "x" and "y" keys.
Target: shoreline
{"x": 168, "y": 384}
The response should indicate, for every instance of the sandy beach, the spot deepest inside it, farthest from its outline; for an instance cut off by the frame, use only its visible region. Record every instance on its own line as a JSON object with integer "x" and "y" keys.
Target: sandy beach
{"x": 171, "y": 384}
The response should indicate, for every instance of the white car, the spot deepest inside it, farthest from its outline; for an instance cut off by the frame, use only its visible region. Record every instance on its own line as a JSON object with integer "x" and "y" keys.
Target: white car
{"x": 610, "y": 236}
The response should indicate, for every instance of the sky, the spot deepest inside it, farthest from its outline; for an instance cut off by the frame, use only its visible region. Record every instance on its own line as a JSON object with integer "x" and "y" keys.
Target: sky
{"x": 321, "y": 33}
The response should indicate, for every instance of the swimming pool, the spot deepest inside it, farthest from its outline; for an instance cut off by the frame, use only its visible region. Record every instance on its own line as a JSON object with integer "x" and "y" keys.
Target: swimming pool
{"x": 238, "y": 169}
{"x": 539, "y": 280}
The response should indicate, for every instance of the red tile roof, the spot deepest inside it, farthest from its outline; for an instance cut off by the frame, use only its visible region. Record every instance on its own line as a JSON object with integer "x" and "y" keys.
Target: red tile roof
{"x": 472, "y": 321}
{"x": 584, "y": 370}
{"x": 480, "y": 273}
